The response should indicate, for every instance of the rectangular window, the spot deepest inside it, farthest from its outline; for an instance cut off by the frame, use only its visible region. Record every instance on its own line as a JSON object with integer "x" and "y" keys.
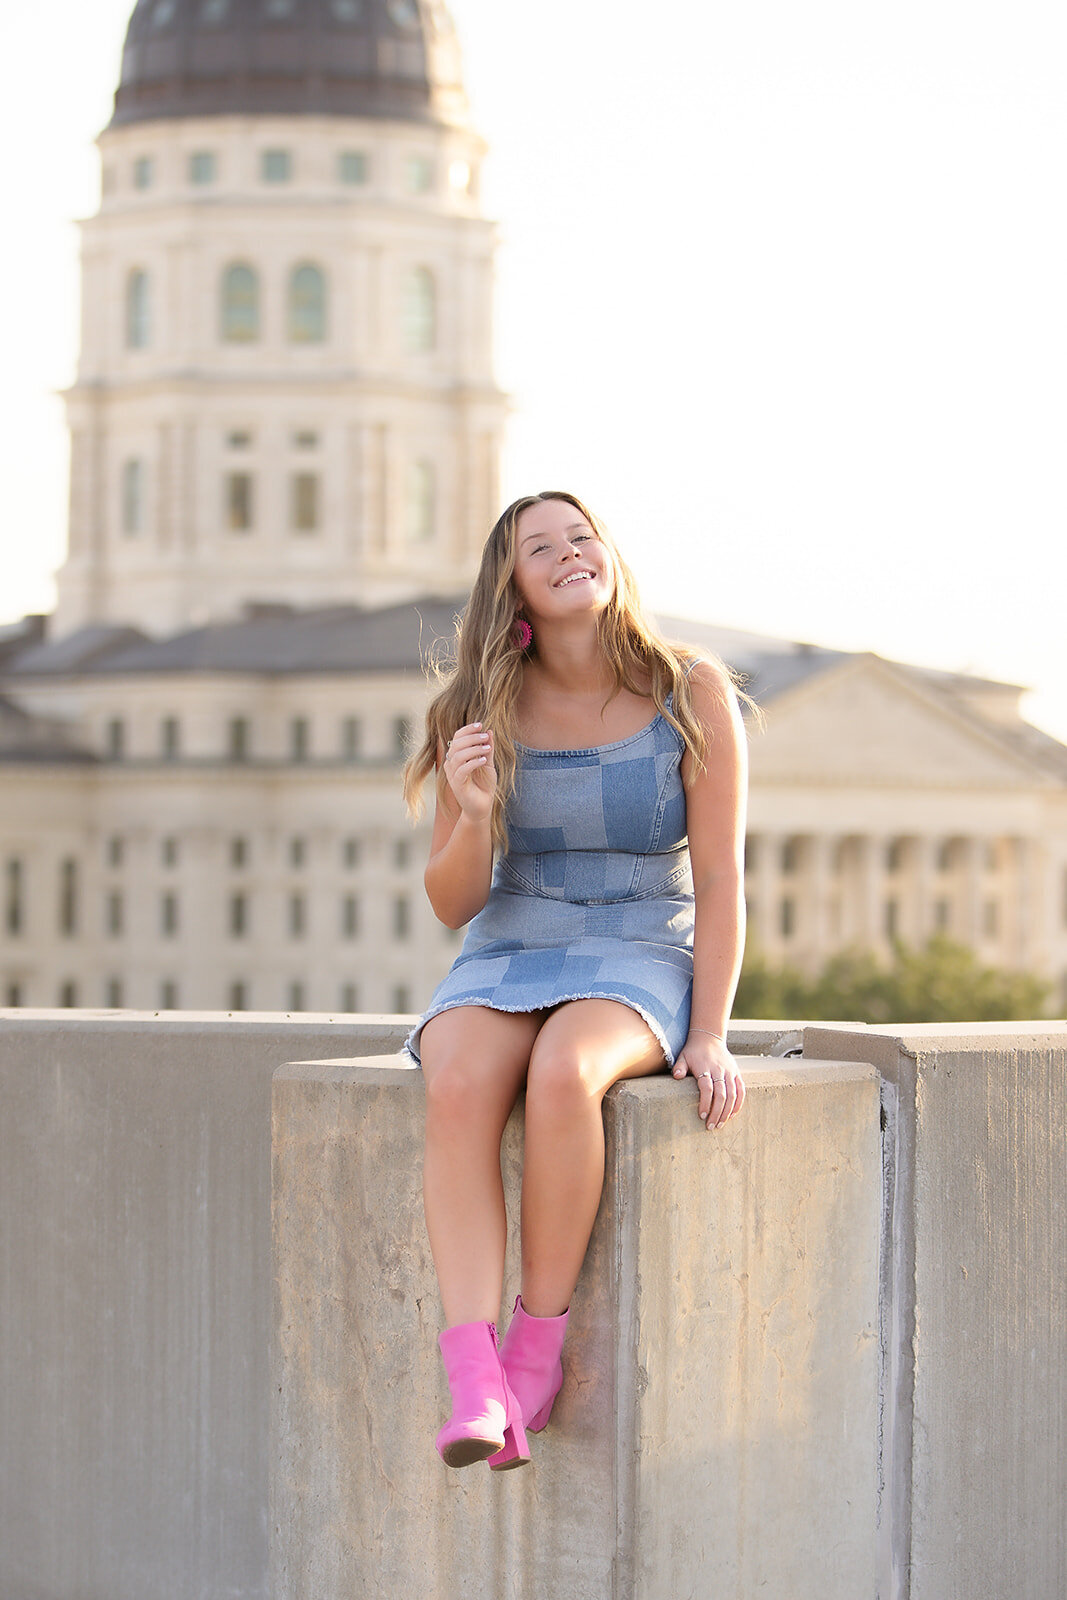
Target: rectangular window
{"x": 14, "y": 996}
{"x": 350, "y": 853}
{"x": 352, "y": 166}
{"x": 238, "y": 441}
{"x": 68, "y": 897}
{"x": 297, "y": 916}
{"x": 132, "y": 498}
{"x": 168, "y": 852}
{"x": 304, "y": 502}
{"x": 115, "y": 851}
{"x": 299, "y": 739}
{"x": 168, "y": 995}
{"x": 238, "y": 995}
{"x": 787, "y": 917}
{"x": 296, "y": 995}
{"x": 113, "y": 994}
{"x": 115, "y": 739}
{"x": 892, "y": 918}
{"x": 349, "y": 997}
{"x": 238, "y": 916}
{"x": 305, "y": 441}
{"x": 401, "y": 737}
{"x": 351, "y": 738}
{"x": 401, "y": 917}
{"x": 297, "y": 851}
{"x": 942, "y": 916}
{"x": 239, "y": 739}
{"x": 13, "y": 897}
{"x": 170, "y": 738}
{"x": 240, "y": 498}
{"x": 401, "y": 853}
{"x": 68, "y": 994}
{"x": 401, "y": 998}
{"x": 203, "y": 167}
{"x": 238, "y": 852}
{"x": 116, "y": 913}
{"x": 168, "y": 916}
{"x": 276, "y": 166}
{"x": 350, "y": 917}
{"x": 144, "y": 172}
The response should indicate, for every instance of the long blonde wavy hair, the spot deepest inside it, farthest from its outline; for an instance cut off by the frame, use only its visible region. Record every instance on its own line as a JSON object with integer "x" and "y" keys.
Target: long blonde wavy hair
{"x": 481, "y": 682}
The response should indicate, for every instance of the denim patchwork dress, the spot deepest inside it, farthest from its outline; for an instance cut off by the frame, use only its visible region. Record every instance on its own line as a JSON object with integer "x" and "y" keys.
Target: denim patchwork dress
{"x": 594, "y": 898}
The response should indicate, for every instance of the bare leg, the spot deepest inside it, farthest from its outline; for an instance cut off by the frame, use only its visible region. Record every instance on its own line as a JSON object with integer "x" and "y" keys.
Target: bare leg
{"x": 474, "y": 1061}
{"x": 583, "y": 1048}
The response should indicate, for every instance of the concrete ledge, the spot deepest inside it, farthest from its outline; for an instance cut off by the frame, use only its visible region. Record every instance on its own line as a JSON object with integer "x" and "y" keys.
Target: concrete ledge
{"x": 974, "y": 1305}
{"x": 717, "y": 1429}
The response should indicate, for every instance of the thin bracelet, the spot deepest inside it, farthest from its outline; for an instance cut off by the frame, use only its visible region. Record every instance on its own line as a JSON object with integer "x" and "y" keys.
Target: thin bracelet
{"x": 709, "y": 1034}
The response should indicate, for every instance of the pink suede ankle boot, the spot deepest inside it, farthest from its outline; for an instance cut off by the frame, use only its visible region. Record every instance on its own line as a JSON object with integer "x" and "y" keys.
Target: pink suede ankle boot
{"x": 485, "y": 1413}
{"x": 530, "y": 1356}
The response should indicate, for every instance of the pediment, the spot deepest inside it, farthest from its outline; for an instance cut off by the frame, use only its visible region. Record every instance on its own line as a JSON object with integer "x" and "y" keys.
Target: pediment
{"x": 864, "y": 722}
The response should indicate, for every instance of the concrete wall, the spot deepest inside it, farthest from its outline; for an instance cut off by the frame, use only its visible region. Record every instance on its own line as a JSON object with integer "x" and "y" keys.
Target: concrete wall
{"x": 135, "y": 1308}
{"x": 716, "y": 1434}
{"x": 135, "y": 1299}
{"x": 974, "y": 1302}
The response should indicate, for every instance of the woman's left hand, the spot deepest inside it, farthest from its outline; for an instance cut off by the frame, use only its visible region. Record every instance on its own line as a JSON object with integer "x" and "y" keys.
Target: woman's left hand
{"x": 722, "y": 1089}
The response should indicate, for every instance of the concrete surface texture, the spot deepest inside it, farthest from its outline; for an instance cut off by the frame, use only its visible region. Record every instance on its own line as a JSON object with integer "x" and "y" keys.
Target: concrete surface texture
{"x": 974, "y": 1306}
{"x": 717, "y": 1429}
{"x": 135, "y": 1299}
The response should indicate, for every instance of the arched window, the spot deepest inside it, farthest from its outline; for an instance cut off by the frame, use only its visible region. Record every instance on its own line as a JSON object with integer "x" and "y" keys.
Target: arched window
{"x": 307, "y": 305}
{"x": 421, "y": 497}
{"x": 420, "y": 310}
{"x": 240, "y": 304}
{"x": 138, "y": 310}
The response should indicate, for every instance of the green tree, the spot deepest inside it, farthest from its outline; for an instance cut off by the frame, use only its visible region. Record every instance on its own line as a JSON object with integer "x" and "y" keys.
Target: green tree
{"x": 940, "y": 981}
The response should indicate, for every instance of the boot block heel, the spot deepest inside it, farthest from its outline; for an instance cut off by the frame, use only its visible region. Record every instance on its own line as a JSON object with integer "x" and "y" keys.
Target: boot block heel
{"x": 516, "y": 1451}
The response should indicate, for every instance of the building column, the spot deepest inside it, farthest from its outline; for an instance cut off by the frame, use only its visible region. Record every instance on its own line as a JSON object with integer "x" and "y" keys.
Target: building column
{"x": 817, "y": 856}
{"x": 924, "y": 854}
{"x": 766, "y": 882}
{"x": 972, "y": 851}
{"x": 872, "y": 891}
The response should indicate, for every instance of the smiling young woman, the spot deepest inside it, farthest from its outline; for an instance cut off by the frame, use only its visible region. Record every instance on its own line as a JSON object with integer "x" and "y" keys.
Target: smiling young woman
{"x": 589, "y": 826}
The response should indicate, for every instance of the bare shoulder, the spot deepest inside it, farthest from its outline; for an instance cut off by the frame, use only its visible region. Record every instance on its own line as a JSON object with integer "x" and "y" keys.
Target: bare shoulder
{"x": 712, "y": 692}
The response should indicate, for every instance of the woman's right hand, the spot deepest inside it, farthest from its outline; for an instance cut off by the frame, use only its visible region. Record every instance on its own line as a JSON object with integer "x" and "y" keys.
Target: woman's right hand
{"x": 469, "y": 771}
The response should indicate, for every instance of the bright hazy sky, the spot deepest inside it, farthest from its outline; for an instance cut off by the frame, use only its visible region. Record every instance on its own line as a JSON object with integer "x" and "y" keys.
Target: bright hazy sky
{"x": 782, "y": 294}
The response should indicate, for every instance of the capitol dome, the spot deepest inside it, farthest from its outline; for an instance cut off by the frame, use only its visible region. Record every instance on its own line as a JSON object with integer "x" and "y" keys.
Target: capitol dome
{"x": 394, "y": 59}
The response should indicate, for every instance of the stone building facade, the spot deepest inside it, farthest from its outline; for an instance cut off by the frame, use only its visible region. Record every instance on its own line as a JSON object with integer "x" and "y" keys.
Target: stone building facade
{"x": 285, "y": 435}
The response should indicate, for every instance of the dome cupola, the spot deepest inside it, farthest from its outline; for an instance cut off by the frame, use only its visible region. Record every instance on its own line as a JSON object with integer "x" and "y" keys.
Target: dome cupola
{"x": 396, "y": 59}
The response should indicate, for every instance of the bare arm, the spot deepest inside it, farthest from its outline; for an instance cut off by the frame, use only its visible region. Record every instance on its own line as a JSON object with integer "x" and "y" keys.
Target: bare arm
{"x": 460, "y": 868}
{"x": 715, "y": 813}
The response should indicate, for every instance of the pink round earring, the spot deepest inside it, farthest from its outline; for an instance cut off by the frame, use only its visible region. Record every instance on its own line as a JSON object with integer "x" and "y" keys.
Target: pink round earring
{"x": 522, "y": 634}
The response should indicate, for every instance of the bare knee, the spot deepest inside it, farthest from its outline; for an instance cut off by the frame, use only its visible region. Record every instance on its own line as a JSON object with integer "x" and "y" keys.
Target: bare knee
{"x": 562, "y": 1080}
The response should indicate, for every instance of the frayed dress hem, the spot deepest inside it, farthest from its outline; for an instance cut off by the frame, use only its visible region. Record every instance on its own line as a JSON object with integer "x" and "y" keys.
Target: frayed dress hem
{"x": 410, "y": 1043}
